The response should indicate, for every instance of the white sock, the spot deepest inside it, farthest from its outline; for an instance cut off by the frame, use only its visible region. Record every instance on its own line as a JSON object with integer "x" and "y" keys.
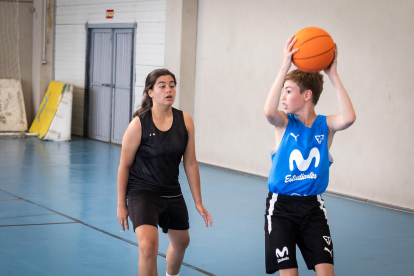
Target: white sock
{"x": 166, "y": 273}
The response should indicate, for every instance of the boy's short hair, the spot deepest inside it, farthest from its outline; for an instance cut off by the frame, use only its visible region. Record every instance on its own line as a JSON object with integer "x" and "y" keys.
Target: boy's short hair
{"x": 307, "y": 81}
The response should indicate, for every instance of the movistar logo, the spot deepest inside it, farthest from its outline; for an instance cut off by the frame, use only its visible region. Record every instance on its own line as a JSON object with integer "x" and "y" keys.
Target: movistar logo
{"x": 301, "y": 163}
{"x": 281, "y": 254}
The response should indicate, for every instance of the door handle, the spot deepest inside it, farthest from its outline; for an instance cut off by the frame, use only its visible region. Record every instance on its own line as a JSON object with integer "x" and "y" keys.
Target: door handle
{"x": 108, "y": 85}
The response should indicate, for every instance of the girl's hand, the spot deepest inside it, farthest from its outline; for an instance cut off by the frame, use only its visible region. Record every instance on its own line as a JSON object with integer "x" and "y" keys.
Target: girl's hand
{"x": 204, "y": 213}
{"x": 122, "y": 214}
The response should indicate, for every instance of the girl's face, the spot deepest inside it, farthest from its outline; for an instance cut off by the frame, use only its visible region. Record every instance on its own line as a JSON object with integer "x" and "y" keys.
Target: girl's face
{"x": 292, "y": 100}
{"x": 163, "y": 92}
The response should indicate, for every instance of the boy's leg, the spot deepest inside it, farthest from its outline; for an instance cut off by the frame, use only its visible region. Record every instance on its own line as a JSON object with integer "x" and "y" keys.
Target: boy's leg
{"x": 175, "y": 254}
{"x": 324, "y": 270}
{"x": 280, "y": 236}
{"x": 314, "y": 240}
{"x": 289, "y": 272}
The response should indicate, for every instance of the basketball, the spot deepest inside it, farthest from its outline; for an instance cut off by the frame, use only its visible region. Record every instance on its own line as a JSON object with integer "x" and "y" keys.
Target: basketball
{"x": 316, "y": 50}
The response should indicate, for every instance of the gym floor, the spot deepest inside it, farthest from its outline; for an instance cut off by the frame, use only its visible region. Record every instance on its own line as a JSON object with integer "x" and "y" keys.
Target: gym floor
{"x": 58, "y": 217}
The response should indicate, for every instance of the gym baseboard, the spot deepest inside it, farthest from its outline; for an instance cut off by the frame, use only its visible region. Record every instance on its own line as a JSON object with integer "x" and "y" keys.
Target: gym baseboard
{"x": 350, "y": 197}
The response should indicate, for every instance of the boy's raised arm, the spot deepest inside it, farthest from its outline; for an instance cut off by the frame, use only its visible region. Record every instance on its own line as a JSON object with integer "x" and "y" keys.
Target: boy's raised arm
{"x": 347, "y": 116}
{"x": 273, "y": 115}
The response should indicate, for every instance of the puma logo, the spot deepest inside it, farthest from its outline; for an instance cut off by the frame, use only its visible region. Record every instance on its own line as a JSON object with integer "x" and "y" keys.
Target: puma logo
{"x": 294, "y": 136}
{"x": 330, "y": 251}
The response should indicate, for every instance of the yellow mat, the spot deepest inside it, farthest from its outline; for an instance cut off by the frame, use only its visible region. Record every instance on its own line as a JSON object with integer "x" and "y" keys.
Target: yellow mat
{"x": 48, "y": 108}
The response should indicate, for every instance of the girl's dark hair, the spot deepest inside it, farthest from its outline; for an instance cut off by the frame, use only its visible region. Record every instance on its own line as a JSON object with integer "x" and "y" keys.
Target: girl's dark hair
{"x": 149, "y": 84}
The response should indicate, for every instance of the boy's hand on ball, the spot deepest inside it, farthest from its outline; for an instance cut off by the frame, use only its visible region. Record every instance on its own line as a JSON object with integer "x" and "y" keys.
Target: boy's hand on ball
{"x": 288, "y": 53}
{"x": 331, "y": 69}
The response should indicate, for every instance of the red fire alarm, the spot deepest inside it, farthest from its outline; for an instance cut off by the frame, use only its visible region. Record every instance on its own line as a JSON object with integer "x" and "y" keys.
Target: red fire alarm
{"x": 109, "y": 13}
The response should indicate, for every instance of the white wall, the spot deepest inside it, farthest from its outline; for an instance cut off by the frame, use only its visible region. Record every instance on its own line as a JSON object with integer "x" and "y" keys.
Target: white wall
{"x": 239, "y": 52}
{"x": 71, "y": 17}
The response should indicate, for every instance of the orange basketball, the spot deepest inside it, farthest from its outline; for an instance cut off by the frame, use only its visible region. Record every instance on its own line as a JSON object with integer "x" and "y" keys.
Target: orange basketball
{"x": 316, "y": 50}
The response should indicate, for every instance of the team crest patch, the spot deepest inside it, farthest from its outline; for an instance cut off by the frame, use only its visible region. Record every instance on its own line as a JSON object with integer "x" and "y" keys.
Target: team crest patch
{"x": 319, "y": 138}
{"x": 327, "y": 239}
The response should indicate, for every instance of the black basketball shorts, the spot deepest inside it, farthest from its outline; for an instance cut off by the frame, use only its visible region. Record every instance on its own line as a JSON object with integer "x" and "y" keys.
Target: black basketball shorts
{"x": 296, "y": 220}
{"x": 151, "y": 209}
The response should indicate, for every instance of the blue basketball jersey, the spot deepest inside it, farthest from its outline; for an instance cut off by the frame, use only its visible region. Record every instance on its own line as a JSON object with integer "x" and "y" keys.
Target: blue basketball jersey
{"x": 300, "y": 166}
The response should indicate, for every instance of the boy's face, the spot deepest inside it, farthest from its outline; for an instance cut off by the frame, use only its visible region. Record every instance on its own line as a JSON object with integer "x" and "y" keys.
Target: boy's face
{"x": 292, "y": 100}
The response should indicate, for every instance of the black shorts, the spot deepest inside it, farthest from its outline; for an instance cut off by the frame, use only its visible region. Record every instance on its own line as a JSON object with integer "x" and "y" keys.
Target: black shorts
{"x": 296, "y": 220}
{"x": 151, "y": 209}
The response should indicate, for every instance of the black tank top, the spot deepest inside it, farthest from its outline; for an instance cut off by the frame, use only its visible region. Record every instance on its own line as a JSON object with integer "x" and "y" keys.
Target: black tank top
{"x": 156, "y": 164}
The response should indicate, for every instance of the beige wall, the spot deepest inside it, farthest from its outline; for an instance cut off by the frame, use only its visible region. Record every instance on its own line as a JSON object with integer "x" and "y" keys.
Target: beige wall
{"x": 239, "y": 52}
{"x": 41, "y": 73}
{"x": 180, "y": 49}
{"x": 25, "y": 49}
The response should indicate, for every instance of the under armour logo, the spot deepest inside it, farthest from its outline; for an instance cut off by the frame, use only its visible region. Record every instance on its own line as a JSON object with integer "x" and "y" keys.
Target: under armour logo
{"x": 327, "y": 239}
{"x": 294, "y": 136}
{"x": 330, "y": 251}
{"x": 301, "y": 163}
{"x": 281, "y": 254}
{"x": 319, "y": 138}
{"x": 152, "y": 134}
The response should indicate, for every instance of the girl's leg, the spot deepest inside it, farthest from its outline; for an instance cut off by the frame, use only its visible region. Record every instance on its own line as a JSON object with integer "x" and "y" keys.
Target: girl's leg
{"x": 179, "y": 240}
{"x": 148, "y": 249}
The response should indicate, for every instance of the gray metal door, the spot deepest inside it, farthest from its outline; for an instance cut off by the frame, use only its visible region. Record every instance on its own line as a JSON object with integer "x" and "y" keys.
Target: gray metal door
{"x": 110, "y": 89}
{"x": 100, "y": 92}
{"x": 122, "y": 96}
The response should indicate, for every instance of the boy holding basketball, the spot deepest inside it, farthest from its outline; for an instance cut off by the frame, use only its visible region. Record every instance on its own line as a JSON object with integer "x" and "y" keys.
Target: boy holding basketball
{"x": 295, "y": 212}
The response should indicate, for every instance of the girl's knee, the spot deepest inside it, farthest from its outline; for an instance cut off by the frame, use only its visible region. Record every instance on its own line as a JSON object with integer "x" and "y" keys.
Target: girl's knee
{"x": 148, "y": 249}
{"x": 182, "y": 244}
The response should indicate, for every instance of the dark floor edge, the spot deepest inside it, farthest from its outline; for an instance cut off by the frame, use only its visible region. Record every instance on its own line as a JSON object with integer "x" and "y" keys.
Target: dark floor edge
{"x": 27, "y": 216}
{"x": 104, "y": 232}
{"x": 345, "y": 196}
{"x": 32, "y": 224}
{"x": 232, "y": 171}
{"x": 371, "y": 202}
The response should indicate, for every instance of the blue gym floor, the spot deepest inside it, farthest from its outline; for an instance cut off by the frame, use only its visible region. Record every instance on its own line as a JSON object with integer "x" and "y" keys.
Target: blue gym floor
{"x": 58, "y": 217}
